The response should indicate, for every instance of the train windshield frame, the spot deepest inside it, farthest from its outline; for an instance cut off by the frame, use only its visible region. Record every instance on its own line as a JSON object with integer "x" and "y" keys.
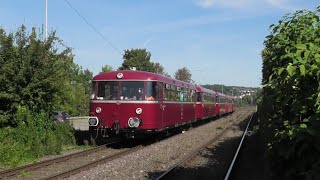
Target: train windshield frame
{"x": 125, "y": 90}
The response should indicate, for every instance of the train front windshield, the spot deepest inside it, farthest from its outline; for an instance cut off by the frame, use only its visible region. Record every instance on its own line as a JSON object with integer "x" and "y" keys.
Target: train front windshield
{"x": 106, "y": 90}
{"x": 124, "y": 90}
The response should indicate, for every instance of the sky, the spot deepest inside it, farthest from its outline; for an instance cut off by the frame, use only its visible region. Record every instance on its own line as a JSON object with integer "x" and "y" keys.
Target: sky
{"x": 219, "y": 41}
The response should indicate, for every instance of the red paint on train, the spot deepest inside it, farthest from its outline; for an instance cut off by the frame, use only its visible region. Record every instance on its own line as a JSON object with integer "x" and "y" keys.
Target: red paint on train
{"x": 130, "y": 102}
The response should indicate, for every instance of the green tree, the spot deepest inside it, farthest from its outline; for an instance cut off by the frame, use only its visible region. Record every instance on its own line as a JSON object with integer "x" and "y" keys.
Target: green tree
{"x": 183, "y": 74}
{"x": 159, "y": 69}
{"x": 106, "y": 68}
{"x": 35, "y": 78}
{"x": 78, "y": 87}
{"x": 138, "y": 58}
{"x": 32, "y": 72}
{"x": 289, "y": 108}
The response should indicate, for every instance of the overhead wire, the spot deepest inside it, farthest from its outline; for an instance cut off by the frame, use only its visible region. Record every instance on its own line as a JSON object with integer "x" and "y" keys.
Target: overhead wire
{"x": 103, "y": 37}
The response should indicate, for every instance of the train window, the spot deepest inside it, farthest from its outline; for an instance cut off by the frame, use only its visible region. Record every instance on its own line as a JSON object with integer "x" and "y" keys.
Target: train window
{"x": 107, "y": 90}
{"x": 167, "y": 86}
{"x": 177, "y": 96}
{"x": 167, "y": 94}
{"x": 189, "y": 97}
{"x": 192, "y": 96}
{"x": 160, "y": 91}
{"x": 151, "y": 91}
{"x": 185, "y": 97}
{"x": 174, "y": 95}
{"x": 131, "y": 90}
{"x": 94, "y": 92}
{"x": 222, "y": 100}
{"x": 182, "y": 96}
{"x": 198, "y": 97}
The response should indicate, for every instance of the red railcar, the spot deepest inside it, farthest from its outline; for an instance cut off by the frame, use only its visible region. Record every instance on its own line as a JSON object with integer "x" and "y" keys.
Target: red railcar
{"x": 135, "y": 101}
{"x": 229, "y": 104}
{"x": 206, "y": 103}
{"x": 222, "y": 103}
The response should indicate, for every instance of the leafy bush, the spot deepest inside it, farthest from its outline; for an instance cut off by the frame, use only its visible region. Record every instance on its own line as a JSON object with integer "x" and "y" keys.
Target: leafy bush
{"x": 34, "y": 137}
{"x": 289, "y": 109}
{"x": 36, "y": 74}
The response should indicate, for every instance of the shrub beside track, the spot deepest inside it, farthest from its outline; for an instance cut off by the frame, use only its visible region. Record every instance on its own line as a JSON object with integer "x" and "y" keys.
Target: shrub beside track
{"x": 289, "y": 109}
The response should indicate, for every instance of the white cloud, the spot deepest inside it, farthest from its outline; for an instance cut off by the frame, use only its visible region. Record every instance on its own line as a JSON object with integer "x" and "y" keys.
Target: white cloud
{"x": 277, "y": 3}
{"x": 205, "y": 3}
{"x": 189, "y": 22}
{"x": 245, "y": 4}
{"x": 281, "y": 4}
{"x": 225, "y": 3}
{"x": 146, "y": 42}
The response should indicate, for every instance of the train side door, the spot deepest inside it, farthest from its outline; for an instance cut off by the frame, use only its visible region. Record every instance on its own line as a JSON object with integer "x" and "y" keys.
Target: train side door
{"x": 161, "y": 106}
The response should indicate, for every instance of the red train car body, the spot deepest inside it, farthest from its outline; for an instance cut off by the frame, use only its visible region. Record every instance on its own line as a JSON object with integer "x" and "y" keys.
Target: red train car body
{"x": 132, "y": 102}
{"x": 207, "y": 104}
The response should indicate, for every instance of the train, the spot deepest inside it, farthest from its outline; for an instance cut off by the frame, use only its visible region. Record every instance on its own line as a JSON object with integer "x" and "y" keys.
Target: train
{"x": 130, "y": 103}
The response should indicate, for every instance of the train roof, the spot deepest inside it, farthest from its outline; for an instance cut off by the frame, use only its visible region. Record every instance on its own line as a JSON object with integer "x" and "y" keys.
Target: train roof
{"x": 139, "y": 75}
{"x": 202, "y": 89}
{"x": 220, "y": 94}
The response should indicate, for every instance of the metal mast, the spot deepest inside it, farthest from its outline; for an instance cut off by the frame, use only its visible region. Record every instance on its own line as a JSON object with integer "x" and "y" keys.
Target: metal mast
{"x": 46, "y": 19}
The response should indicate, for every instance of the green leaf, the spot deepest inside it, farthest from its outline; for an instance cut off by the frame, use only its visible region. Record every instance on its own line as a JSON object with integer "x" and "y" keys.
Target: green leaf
{"x": 317, "y": 57}
{"x": 306, "y": 55}
{"x": 291, "y": 69}
{"x": 280, "y": 71}
{"x": 301, "y": 46}
{"x": 302, "y": 70}
{"x": 303, "y": 126}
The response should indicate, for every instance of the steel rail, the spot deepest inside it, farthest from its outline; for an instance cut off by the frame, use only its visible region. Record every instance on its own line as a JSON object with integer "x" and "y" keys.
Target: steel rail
{"x": 194, "y": 152}
{"x": 93, "y": 164}
{"x": 28, "y": 167}
{"x": 237, "y": 152}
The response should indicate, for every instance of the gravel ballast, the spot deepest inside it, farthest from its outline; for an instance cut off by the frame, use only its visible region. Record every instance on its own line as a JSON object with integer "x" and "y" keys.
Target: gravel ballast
{"x": 148, "y": 162}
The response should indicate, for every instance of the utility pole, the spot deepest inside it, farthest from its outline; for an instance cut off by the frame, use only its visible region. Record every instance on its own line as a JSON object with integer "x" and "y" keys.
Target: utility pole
{"x": 222, "y": 89}
{"x": 46, "y": 19}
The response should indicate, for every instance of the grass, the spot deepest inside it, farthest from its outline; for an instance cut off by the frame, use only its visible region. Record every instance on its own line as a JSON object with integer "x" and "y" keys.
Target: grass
{"x": 24, "y": 174}
{"x": 75, "y": 147}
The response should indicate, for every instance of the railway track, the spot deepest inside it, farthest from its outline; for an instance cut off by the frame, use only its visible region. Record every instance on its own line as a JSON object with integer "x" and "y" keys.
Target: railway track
{"x": 171, "y": 170}
{"x": 238, "y": 149}
{"x": 67, "y": 165}
{"x": 74, "y": 163}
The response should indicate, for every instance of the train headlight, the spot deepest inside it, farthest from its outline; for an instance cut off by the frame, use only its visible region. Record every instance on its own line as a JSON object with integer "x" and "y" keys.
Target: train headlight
{"x": 119, "y": 75}
{"x": 138, "y": 110}
{"x": 133, "y": 122}
{"x": 98, "y": 110}
{"x": 93, "y": 121}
